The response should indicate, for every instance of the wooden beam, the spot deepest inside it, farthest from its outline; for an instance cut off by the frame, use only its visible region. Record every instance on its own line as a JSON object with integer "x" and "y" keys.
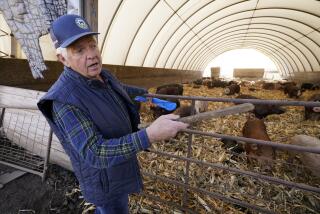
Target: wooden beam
{"x": 90, "y": 12}
{"x": 19, "y": 98}
{"x": 14, "y": 47}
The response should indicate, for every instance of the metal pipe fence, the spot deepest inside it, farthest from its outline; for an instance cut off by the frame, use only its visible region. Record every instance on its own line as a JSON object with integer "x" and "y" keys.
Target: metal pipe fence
{"x": 236, "y": 100}
{"x": 212, "y": 194}
{"x": 254, "y": 175}
{"x": 243, "y": 172}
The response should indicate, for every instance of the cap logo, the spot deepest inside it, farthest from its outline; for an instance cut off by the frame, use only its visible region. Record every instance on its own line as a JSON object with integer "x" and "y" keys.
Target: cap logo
{"x": 81, "y": 23}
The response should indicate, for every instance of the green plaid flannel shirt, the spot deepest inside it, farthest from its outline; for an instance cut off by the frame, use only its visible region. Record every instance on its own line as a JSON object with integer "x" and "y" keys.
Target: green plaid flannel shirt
{"x": 77, "y": 127}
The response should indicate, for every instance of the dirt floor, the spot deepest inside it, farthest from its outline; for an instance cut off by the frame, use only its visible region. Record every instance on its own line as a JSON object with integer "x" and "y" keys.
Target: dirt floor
{"x": 28, "y": 194}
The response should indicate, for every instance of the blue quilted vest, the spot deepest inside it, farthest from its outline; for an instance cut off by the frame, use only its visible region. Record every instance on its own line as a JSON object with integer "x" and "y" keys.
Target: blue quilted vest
{"x": 97, "y": 185}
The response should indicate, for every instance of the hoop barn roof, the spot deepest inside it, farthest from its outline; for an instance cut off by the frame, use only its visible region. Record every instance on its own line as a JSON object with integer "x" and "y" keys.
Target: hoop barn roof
{"x": 188, "y": 34}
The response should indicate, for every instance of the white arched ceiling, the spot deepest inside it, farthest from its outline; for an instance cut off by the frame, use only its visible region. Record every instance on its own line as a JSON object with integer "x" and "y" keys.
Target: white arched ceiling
{"x": 187, "y": 35}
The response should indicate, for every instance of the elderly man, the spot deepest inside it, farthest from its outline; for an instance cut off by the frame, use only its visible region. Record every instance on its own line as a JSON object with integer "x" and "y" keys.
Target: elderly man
{"x": 95, "y": 120}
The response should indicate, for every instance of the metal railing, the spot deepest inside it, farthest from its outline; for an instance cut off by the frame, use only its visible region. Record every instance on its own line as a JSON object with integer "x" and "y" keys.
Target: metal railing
{"x": 254, "y": 175}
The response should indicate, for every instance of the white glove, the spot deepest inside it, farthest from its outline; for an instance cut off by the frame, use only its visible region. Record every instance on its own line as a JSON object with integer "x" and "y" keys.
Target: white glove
{"x": 165, "y": 127}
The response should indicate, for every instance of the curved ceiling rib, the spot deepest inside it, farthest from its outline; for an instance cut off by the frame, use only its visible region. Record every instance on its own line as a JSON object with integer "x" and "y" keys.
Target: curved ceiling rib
{"x": 109, "y": 26}
{"x": 191, "y": 29}
{"x": 235, "y": 31}
{"x": 241, "y": 46}
{"x": 241, "y": 12}
{"x": 280, "y": 57}
{"x": 268, "y": 50}
{"x": 281, "y": 66}
{"x": 267, "y": 42}
{"x": 264, "y": 16}
{"x": 280, "y": 47}
{"x": 221, "y": 31}
{"x": 284, "y": 48}
{"x": 226, "y": 30}
{"x": 160, "y": 29}
{"x": 188, "y": 34}
{"x": 134, "y": 37}
{"x": 258, "y": 47}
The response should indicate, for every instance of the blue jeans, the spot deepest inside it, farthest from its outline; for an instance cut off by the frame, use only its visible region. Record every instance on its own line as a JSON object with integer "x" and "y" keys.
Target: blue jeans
{"x": 118, "y": 205}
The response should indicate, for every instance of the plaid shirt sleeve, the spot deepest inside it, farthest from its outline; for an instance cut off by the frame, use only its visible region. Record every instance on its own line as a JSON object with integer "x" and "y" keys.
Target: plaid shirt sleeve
{"x": 79, "y": 130}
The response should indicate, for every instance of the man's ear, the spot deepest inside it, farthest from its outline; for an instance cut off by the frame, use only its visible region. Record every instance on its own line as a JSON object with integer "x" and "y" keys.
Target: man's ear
{"x": 63, "y": 60}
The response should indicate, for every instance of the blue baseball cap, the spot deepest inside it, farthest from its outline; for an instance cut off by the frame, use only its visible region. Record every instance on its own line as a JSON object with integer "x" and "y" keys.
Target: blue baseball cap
{"x": 68, "y": 28}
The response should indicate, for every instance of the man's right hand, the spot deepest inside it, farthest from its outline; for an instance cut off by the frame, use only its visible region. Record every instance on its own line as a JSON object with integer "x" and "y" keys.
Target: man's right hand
{"x": 165, "y": 127}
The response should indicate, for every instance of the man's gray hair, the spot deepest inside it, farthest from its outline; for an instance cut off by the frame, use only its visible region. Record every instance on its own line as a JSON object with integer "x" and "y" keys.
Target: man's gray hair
{"x": 62, "y": 51}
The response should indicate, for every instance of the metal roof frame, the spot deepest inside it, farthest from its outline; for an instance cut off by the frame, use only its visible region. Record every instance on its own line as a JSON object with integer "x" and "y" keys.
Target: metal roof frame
{"x": 187, "y": 35}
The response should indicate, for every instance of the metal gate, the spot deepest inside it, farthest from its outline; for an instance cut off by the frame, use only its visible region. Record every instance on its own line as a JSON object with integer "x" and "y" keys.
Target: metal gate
{"x": 202, "y": 191}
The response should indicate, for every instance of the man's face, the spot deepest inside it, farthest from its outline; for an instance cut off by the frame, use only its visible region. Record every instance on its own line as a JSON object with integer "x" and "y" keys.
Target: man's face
{"x": 84, "y": 57}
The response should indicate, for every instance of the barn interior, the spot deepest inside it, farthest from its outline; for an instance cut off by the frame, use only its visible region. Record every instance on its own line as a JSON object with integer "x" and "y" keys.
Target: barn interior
{"x": 157, "y": 42}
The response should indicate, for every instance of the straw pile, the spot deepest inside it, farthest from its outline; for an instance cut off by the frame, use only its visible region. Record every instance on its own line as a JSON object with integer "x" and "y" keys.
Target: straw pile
{"x": 277, "y": 198}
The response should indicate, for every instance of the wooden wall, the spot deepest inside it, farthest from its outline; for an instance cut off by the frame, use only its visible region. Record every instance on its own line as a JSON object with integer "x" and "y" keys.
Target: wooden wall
{"x": 16, "y": 72}
{"x": 311, "y": 77}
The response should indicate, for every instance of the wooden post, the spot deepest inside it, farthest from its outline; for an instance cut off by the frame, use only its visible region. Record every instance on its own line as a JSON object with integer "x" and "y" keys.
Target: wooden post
{"x": 89, "y": 10}
{"x": 47, "y": 157}
{"x": 14, "y": 48}
{"x": 2, "y": 116}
